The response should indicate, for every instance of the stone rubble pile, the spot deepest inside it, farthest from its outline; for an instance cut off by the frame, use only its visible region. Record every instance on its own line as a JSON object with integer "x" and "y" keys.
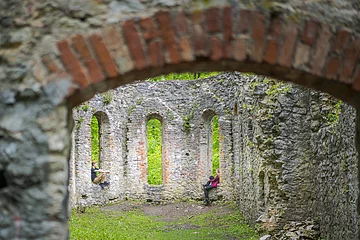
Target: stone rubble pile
{"x": 296, "y": 231}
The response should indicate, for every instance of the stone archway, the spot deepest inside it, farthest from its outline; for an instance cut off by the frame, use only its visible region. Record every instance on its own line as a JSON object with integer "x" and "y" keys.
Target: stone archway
{"x": 302, "y": 49}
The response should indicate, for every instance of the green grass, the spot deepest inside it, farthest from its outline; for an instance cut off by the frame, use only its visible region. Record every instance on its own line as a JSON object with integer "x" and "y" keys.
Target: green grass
{"x": 98, "y": 224}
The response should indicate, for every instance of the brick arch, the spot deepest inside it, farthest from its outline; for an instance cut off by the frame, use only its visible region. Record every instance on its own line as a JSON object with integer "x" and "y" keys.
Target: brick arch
{"x": 304, "y": 51}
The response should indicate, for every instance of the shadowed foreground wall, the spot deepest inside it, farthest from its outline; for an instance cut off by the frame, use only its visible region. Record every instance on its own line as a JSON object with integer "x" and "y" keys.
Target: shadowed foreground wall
{"x": 295, "y": 157}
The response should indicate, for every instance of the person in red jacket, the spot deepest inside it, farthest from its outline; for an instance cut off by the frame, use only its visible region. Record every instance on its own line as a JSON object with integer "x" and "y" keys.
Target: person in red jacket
{"x": 212, "y": 183}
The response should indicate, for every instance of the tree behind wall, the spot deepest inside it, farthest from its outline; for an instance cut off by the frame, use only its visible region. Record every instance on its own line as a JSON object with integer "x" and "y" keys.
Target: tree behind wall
{"x": 95, "y": 140}
{"x": 154, "y": 141}
{"x": 215, "y": 144}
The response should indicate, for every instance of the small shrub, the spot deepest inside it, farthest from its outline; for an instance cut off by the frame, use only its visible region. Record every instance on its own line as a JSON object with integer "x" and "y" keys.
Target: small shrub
{"x": 107, "y": 98}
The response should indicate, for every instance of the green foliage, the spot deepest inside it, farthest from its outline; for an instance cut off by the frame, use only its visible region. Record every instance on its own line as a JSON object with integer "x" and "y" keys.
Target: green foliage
{"x": 277, "y": 88}
{"x": 107, "y": 98}
{"x": 250, "y": 143}
{"x": 215, "y": 158}
{"x": 130, "y": 109}
{"x": 98, "y": 224}
{"x": 79, "y": 122}
{"x": 182, "y": 76}
{"x": 85, "y": 107}
{"x": 187, "y": 119}
{"x": 95, "y": 143}
{"x": 333, "y": 116}
{"x": 154, "y": 153}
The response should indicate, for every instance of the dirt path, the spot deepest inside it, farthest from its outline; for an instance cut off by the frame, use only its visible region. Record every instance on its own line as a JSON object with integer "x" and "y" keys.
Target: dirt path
{"x": 170, "y": 211}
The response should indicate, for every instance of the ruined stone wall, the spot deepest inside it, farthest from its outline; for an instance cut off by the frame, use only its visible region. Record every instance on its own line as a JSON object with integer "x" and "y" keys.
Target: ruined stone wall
{"x": 34, "y": 128}
{"x": 295, "y": 158}
{"x": 336, "y": 168}
{"x": 183, "y": 108}
{"x": 287, "y": 153}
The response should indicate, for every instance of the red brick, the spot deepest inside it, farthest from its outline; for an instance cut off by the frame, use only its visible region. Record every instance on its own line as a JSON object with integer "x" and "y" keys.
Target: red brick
{"x": 212, "y": 18}
{"x": 310, "y": 31}
{"x": 94, "y": 70}
{"x": 180, "y": 24}
{"x": 72, "y": 64}
{"x": 199, "y": 35}
{"x": 118, "y": 48}
{"x": 356, "y": 82}
{"x": 79, "y": 44}
{"x": 61, "y": 81}
{"x": 133, "y": 41}
{"x": 342, "y": 39}
{"x": 216, "y": 49}
{"x": 258, "y": 37}
{"x": 186, "y": 50}
{"x": 197, "y": 17}
{"x": 155, "y": 55}
{"x": 104, "y": 55}
{"x": 227, "y": 32}
{"x": 287, "y": 51}
{"x": 350, "y": 59}
{"x": 272, "y": 47}
{"x": 244, "y": 21}
{"x": 322, "y": 50}
{"x": 239, "y": 49}
{"x": 227, "y": 19}
{"x": 92, "y": 66}
{"x": 271, "y": 52}
{"x": 149, "y": 28}
{"x": 302, "y": 56}
{"x": 332, "y": 68}
{"x": 50, "y": 64}
{"x": 168, "y": 36}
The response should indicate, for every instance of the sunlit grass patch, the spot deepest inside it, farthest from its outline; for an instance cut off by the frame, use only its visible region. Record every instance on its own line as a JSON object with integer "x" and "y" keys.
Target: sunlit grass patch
{"x": 96, "y": 223}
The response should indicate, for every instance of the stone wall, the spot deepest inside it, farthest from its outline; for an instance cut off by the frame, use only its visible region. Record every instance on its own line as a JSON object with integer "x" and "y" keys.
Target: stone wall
{"x": 183, "y": 108}
{"x": 287, "y": 154}
{"x": 336, "y": 168}
{"x": 292, "y": 155}
{"x": 35, "y": 86}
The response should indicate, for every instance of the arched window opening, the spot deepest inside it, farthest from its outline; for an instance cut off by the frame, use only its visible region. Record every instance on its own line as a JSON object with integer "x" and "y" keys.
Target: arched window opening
{"x": 95, "y": 139}
{"x": 261, "y": 192}
{"x": 154, "y": 151}
{"x": 215, "y": 159}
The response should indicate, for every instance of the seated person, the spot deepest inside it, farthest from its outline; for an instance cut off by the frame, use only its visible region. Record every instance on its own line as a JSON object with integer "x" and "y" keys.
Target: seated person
{"x": 98, "y": 178}
{"x": 212, "y": 183}
{"x": 208, "y": 182}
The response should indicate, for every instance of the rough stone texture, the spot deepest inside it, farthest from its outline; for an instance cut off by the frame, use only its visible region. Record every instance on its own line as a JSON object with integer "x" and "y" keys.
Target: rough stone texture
{"x": 31, "y": 90}
{"x": 288, "y": 144}
{"x": 185, "y": 109}
{"x": 287, "y": 154}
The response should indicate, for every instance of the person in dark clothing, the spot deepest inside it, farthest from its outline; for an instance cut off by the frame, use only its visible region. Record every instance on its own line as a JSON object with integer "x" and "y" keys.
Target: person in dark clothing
{"x": 212, "y": 183}
{"x": 208, "y": 182}
{"x": 98, "y": 175}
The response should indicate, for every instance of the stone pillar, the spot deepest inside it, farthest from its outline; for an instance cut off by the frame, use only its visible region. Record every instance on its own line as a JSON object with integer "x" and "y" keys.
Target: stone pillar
{"x": 357, "y": 143}
{"x": 34, "y": 153}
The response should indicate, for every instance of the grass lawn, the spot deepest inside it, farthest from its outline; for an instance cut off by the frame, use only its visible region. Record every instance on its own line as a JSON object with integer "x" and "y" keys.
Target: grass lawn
{"x": 100, "y": 223}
